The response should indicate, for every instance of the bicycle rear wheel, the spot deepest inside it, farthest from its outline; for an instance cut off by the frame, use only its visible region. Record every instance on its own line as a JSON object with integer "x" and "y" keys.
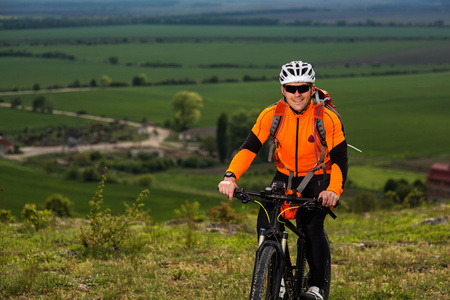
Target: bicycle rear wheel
{"x": 265, "y": 275}
{"x": 326, "y": 289}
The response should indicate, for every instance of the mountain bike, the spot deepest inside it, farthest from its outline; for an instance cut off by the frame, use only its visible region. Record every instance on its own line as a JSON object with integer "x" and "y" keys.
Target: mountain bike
{"x": 274, "y": 276}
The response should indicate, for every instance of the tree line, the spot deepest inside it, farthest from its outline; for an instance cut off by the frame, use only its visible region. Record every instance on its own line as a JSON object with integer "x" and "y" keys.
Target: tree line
{"x": 58, "y": 22}
{"x": 48, "y": 54}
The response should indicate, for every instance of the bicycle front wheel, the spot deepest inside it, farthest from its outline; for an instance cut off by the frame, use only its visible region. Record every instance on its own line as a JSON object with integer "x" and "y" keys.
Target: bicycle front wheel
{"x": 264, "y": 278}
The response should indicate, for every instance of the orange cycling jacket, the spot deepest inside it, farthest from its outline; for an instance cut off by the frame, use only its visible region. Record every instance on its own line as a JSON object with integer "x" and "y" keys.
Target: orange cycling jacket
{"x": 299, "y": 147}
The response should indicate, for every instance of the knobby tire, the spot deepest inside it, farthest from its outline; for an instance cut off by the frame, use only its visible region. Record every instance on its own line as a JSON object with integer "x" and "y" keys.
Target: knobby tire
{"x": 265, "y": 275}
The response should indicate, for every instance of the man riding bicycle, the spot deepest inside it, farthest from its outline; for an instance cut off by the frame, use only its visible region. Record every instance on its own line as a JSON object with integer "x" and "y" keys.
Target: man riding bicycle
{"x": 299, "y": 147}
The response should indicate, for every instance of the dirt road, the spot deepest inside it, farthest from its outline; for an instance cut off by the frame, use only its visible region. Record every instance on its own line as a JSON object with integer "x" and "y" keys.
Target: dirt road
{"x": 153, "y": 141}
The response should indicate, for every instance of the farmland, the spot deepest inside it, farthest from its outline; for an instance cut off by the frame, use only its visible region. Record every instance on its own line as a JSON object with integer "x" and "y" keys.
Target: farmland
{"x": 390, "y": 106}
{"x": 390, "y": 84}
{"x": 386, "y": 82}
{"x": 221, "y": 51}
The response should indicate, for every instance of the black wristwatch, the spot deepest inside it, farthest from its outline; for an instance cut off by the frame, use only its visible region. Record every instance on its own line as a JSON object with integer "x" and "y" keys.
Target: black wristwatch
{"x": 229, "y": 174}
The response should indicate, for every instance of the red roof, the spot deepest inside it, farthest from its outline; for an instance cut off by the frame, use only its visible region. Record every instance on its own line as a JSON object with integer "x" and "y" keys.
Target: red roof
{"x": 439, "y": 172}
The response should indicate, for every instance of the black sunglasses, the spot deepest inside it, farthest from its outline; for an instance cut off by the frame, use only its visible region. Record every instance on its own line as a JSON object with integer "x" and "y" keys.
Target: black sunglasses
{"x": 300, "y": 88}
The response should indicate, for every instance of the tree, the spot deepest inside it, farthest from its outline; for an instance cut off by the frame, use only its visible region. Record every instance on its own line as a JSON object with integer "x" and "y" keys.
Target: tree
{"x": 208, "y": 144}
{"x": 42, "y": 104}
{"x": 186, "y": 105}
{"x": 16, "y": 102}
{"x": 240, "y": 125}
{"x": 400, "y": 186}
{"x": 420, "y": 185}
{"x": 140, "y": 79}
{"x": 105, "y": 81}
{"x": 113, "y": 60}
{"x": 222, "y": 137}
{"x": 39, "y": 103}
{"x": 60, "y": 205}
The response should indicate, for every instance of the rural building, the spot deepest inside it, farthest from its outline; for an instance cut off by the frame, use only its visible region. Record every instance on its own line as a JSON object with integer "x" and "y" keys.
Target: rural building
{"x": 5, "y": 146}
{"x": 194, "y": 134}
{"x": 438, "y": 182}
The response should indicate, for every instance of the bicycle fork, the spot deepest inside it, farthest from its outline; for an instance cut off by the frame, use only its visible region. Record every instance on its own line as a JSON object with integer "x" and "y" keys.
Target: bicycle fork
{"x": 280, "y": 249}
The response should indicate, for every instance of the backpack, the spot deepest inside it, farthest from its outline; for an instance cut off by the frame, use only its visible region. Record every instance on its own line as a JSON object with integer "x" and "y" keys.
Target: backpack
{"x": 321, "y": 99}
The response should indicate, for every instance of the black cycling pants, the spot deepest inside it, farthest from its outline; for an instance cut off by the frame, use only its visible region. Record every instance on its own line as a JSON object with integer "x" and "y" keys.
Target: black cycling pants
{"x": 310, "y": 222}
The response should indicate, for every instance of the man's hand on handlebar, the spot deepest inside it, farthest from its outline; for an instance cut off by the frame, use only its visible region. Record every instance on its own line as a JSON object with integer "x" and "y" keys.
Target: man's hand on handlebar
{"x": 227, "y": 187}
{"x": 329, "y": 198}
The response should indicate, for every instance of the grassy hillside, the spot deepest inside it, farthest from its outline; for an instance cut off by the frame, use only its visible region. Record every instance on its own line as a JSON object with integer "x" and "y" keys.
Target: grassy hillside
{"x": 22, "y": 185}
{"x": 390, "y": 255}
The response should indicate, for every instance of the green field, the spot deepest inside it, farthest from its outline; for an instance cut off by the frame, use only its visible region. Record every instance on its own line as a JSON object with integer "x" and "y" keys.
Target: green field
{"x": 383, "y": 116}
{"x": 171, "y": 31}
{"x": 22, "y": 185}
{"x": 394, "y": 109}
{"x": 257, "y": 51}
{"x": 15, "y": 120}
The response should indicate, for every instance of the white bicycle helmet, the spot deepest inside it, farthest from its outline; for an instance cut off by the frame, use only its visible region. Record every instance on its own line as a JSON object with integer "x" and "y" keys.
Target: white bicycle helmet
{"x": 297, "y": 71}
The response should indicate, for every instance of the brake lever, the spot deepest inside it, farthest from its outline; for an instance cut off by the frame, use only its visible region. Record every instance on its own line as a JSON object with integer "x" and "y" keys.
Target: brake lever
{"x": 329, "y": 209}
{"x": 241, "y": 195}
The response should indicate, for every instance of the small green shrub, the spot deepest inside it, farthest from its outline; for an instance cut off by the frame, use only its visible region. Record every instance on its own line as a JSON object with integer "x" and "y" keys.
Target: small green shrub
{"x": 50, "y": 165}
{"x": 145, "y": 180}
{"x": 73, "y": 173}
{"x": 38, "y": 219}
{"x": 112, "y": 178}
{"x": 91, "y": 174}
{"x": 225, "y": 214}
{"x": 105, "y": 230}
{"x": 6, "y": 217}
{"x": 96, "y": 155}
{"x": 61, "y": 206}
{"x": 191, "y": 162}
{"x": 81, "y": 159}
{"x": 392, "y": 197}
{"x": 146, "y": 156}
{"x": 190, "y": 211}
{"x": 415, "y": 198}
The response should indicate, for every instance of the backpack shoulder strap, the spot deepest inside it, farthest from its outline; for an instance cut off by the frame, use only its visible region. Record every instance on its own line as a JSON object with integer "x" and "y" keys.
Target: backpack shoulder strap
{"x": 322, "y": 97}
{"x": 321, "y": 100}
{"x": 278, "y": 114}
{"x": 277, "y": 121}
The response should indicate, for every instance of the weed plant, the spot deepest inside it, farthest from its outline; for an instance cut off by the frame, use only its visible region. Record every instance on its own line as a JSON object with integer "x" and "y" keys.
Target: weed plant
{"x": 36, "y": 219}
{"x": 383, "y": 255}
{"x": 105, "y": 230}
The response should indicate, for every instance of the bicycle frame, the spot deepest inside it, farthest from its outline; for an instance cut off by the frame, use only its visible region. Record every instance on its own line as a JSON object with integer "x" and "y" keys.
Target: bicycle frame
{"x": 274, "y": 237}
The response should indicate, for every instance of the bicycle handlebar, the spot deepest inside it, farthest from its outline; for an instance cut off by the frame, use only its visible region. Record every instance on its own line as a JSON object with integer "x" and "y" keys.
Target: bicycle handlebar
{"x": 268, "y": 195}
